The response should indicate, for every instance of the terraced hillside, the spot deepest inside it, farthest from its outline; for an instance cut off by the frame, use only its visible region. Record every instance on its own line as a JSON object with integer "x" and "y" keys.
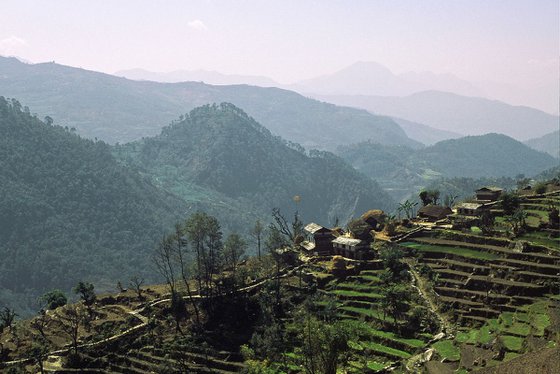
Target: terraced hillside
{"x": 503, "y": 295}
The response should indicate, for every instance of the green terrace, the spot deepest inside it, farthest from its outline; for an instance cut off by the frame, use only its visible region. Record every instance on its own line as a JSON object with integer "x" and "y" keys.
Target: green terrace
{"x": 443, "y": 249}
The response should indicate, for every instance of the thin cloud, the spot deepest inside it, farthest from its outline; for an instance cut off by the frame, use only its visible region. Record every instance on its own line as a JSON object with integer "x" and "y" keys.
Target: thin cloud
{"x": 197, "y": 25}
{"x": 11, "y": 45}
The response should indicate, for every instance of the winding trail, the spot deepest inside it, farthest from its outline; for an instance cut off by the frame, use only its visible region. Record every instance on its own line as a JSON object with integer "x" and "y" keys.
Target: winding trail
{"x": 446, "y": 328}
{"x": 54, "y": 362}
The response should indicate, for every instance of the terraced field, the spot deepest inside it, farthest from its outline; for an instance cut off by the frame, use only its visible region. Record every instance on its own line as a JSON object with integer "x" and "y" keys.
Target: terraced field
{"x": 359, "y": 300}
{"x": 503, "y": 298}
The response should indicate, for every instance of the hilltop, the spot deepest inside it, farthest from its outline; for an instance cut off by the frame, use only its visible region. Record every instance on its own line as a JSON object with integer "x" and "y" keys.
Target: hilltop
{"x": 220, "y": 148}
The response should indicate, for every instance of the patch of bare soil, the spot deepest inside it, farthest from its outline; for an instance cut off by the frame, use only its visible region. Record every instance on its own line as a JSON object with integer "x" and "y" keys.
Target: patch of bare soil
{"x": 436, "y": 367}
{"x": 546, "y": 361}
{"x": 473, "y": 357}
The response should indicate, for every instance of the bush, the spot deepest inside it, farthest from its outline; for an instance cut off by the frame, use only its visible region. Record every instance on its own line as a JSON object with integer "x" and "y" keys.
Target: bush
{"x": 53, "y": 299}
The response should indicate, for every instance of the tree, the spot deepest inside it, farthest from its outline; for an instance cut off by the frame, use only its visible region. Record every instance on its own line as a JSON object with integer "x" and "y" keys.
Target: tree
{"x": 205, "y": 236}
{"x": 48, "y": 121}
{"x": 449, "y": 200}
{"x": 487, "y": 222}
{"x": 517, "y": 221}
{"x": 257, "y": 233}
{"x": 234, "y": 249}
{"x": 274, "y": 239}
{"x": 291, "y": 231}
{"x": 72, "y": 317}
{"x": 360, "y": 229}
{"x": 553, "y": 217}
{"x": 392, "y": 257}
{"x": 85, "y": 290}
{"x": 7, "y": 317}
{"x": 396, "y": 298}
{"x": 324, "y": 344}
{"x": 136, "y": 283}
{"x": 408, "y": 208}
{"x": 429, "y": 197}
{"x": 53, "y": 299}
{"x": 39, "y": 353}
{"x": 39, "y": 323}
{"x": 510, "y": 202}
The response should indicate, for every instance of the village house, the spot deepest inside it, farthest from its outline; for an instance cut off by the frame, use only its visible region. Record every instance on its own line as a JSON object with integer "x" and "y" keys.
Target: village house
{"x": 351, "y": 248}
{"x": 470, "y": 209}
{"x": 434, "y": 213}
{"x": 488, "y": 193}
{"x": 319, "y": 239}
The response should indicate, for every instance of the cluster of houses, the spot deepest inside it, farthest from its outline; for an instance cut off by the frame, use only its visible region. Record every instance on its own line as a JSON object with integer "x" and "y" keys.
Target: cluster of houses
{"x": 324, "y": 241}
{"x": 486, "y": 197}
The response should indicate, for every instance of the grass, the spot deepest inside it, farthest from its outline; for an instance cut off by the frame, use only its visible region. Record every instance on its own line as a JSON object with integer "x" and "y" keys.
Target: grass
{"x": 355, "y": 286}
{"x": 350, "y": 293}
{"x": 366, "y": 312}
{"x": 542, "y": 238}
{"x": 464, "y": 252}
{"x": 447, "y": 350}
{"x": 371, "y": 332}
{"x": 512, "y": 343}
{"x": 380, "y": 348}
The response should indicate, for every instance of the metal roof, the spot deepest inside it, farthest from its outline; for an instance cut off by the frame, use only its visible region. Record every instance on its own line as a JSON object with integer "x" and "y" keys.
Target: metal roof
{"x": 312, "y": 228}
{"x": 490, "y": 188}
{"x": 347, "y": 241}
{"x": 470, "y": 205}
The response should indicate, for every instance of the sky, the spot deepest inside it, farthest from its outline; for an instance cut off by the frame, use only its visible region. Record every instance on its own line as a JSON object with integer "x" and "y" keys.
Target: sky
{"x": 514, "y": 42}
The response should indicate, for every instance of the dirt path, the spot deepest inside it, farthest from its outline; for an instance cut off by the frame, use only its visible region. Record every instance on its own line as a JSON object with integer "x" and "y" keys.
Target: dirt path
{"x": 54, "y": 362}
{"x": 446, "y": 327}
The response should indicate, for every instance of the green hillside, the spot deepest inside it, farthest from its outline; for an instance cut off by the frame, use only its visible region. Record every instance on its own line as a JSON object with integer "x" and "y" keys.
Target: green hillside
{"x": 69, "y": 211}
{"x": 402, "y": 170}
{"x": 115, "y": 109}
{"x": 221, "y": 149}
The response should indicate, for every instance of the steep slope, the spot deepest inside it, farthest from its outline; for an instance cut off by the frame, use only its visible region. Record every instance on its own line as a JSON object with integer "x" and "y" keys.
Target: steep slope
{"x": 451, "y": 112}
{"x": 69, "y": 211}
{"x": 120, "y": 110}
{"x": 549, "y": 143}
{"x": 219, "y": 147}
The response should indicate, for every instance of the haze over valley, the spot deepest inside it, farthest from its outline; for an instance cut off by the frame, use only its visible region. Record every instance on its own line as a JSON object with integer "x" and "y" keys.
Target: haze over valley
{"x": 280, "y": 187}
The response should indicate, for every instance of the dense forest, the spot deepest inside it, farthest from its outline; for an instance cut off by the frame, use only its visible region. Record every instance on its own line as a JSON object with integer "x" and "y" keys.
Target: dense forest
{"x": 69, "y": 211}
{"x": 75, "y": 209}
{"x": 224, "y": 151}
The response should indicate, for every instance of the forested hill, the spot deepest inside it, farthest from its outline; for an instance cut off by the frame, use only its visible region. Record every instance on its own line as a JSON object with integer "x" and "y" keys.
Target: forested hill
{"x": 119, "y": 110}
{"x": 221, "y": 149}
{"x": 490, "y": 155}
{"x": 69, "y": 211}
{"x": 404, "y": 171}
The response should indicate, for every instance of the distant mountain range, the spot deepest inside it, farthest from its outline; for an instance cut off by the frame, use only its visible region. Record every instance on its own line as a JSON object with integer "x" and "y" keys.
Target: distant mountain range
{"x": 209, "y": 77}
{"x": 374, "y": 79}
{"x": 371, "y": 78}
{"x": 455, "y": 113}
{"x": 549, "y": 143}
{"x": 119, "y": 110}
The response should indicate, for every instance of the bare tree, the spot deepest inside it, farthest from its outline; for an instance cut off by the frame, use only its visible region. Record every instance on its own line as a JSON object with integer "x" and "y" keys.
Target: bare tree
{"x": 257, "y": 233}
{"x": 136, "y": 284}
{"x": 72, "y": 317}
{"x": 39, "y": 323}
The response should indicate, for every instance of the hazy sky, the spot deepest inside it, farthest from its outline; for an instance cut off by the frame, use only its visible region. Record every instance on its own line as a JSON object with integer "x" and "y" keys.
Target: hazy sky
{"x": 510, "y": 41}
